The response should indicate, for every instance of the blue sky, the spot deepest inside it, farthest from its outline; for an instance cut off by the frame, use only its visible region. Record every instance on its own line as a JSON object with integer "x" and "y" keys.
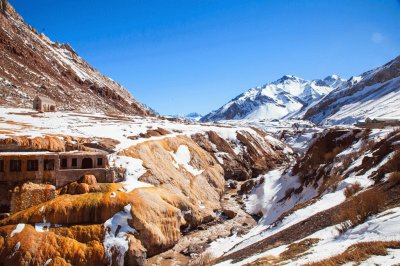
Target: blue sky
{"x": 195, "y": 55}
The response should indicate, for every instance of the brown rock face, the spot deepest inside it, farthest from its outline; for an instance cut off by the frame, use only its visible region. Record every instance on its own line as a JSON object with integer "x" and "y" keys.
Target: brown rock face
{"x": 257, "y": 155}
{"x": 31, "y": 63}
{"x": 203, "y": 189}
{"x": 315, "y": 162}
{"x": 30, "y": 194}
{"x": 89, "y": 179}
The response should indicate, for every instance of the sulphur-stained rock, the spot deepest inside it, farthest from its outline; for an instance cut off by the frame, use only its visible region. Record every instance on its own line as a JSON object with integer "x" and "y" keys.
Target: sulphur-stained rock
{"x": 157, "y": 215}
{"x": 30, "y": 194}
{"x": 29, "y": 246}
{"x": 201, "y": 180}
{"x": 81, "y": 233}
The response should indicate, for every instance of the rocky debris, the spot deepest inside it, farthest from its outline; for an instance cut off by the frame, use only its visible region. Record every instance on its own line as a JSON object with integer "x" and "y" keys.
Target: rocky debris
{"x": 151, "y": 133}
{"x": 237, "y": 231}
{"x": 195, "y": 243}
{"x": 232, "y": 184}
{"x": 30, "y": 194}
{"x": 249, "y": 185}
{"x": 103, "y": 144}
{"x": 195, "y": 249}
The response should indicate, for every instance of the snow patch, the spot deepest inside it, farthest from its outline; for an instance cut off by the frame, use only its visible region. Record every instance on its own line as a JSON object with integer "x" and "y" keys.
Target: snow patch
{"x": 182, "y": 157}
{"x": 115, "y": 239}
{"x": 17, "y": 229}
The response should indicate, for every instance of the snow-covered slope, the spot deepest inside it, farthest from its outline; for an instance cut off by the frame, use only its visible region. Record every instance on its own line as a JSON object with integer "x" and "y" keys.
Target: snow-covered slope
{"x": 375, "y": 93}
{"x": 275, "y": 100}
{"x": 31, "y": 64}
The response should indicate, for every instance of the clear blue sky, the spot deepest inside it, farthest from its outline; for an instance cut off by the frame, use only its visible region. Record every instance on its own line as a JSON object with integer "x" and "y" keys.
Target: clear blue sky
{"x": 195, "y": 55}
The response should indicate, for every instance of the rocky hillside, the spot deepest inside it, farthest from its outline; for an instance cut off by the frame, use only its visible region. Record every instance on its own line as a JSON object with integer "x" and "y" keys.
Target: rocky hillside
{"x": 174, "y": 180}
{"x": 337, "y": 204}
{"x": 275, "y": 100}
{"x": 31, "y": 64}
{"x": 375, "y": 93}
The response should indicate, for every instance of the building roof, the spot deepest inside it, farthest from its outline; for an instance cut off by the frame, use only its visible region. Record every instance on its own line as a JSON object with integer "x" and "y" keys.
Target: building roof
{"x": 46, "y": 99}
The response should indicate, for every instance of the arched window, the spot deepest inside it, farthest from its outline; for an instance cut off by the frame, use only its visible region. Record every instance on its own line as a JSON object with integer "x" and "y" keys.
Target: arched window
{"x": 87, "y": 163}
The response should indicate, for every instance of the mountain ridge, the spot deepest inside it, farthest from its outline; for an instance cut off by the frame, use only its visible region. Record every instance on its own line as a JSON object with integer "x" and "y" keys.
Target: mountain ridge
{"x": 276, "y": 99}
{"x": 32, "y": 64}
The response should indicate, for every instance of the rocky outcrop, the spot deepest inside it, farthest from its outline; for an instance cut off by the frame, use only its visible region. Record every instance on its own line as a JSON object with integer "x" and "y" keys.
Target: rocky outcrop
{"x": 251, "y": 154}
{"x": 29, "y": 195}
{"x": 202, "y": 189}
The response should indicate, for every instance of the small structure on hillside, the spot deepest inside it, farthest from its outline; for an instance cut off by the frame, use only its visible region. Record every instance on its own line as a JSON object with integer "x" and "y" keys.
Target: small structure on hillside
{"x": 44, "y": 104}
{"x": 379, "y": 122}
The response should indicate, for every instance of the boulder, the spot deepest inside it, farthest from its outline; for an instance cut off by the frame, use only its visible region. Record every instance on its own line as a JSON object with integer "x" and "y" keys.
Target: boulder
{"x": 136, "y": 254}
{"x": 89, "y": 179}
{"x": 229, "y": 213}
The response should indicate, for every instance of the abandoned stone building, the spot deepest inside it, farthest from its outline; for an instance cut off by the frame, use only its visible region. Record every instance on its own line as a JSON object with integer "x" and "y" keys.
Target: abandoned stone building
{"x": 379, "y": 122}
{"x": 44, "y": 104}
{"x": 53, "y": 168}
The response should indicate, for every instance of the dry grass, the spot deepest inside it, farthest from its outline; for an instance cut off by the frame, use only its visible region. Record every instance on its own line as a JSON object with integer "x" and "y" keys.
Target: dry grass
{"x": 360, "y": 207}
{"x": 393, "y": 164}
{"x": 295, "y": 249}
{"x": 205, "y": 259}
{"x": 264, "y": 261}
{"x": 352, "y": 189}
{"x": 330, "y": 182}
{"x": 394, "y": 178}
{"x": 359, "y": 252}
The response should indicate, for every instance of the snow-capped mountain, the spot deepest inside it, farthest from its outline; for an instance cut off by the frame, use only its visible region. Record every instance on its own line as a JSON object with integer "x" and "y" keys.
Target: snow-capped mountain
{"x": 275, "y": 100}
{"x": 375, "y": 93}
{"x": 31, "y": 64}
{"x": 192, "y": 117}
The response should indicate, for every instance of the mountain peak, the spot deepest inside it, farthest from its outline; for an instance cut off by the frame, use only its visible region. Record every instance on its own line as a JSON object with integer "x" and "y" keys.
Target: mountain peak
{"x": 275, "y": 100}
{"x": 287, "y": 78}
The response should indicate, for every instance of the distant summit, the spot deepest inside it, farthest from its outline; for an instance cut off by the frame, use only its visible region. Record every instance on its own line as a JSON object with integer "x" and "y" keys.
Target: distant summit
{"x": 192, "y": 117}
{"x": 277, "y": 99}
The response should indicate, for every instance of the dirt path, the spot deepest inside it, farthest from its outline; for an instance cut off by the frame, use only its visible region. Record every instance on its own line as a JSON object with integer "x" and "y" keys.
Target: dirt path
{"x": 195, "y": 242}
